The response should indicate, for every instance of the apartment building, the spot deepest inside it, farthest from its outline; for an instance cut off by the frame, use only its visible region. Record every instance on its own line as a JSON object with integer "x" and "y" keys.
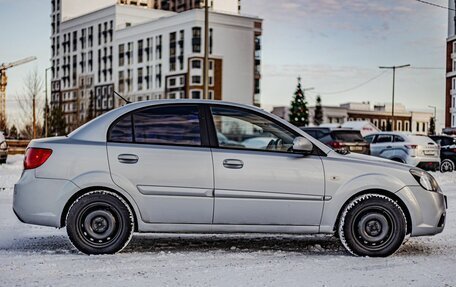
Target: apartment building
{"x": 145, "y": 50}
{"x": 450, "y": 94}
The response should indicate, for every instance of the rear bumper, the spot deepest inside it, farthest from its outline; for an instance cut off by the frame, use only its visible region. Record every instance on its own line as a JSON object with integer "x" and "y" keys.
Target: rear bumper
{"x": 429, "y": 165}
{"x": 426, "y": 163}
{"x": 41, "y": 201}
{"x": 427, "y": 210}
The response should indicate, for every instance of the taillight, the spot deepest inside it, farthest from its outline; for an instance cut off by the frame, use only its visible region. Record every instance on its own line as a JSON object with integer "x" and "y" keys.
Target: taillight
{"x": 336, "y": 145}
{"x": 411, "y": 146}
{"x": 35, "y": 157}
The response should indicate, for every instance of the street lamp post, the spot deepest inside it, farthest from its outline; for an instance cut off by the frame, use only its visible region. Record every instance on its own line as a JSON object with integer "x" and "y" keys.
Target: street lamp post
{"x": 393, "y": 124}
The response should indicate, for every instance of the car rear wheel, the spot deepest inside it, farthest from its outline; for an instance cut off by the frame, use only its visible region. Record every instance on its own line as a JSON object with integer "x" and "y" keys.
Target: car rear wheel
{"x": 372, "y": 225}
{"x": 100, "y": 222}
{"x": 447, "y": 166}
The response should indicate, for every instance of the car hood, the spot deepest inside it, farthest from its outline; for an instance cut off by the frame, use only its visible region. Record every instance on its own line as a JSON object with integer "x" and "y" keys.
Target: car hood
{"x": 362, "y": 158}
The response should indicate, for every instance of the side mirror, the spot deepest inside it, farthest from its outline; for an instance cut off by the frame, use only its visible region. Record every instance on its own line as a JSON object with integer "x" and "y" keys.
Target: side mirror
{"x": 302, "y": 145}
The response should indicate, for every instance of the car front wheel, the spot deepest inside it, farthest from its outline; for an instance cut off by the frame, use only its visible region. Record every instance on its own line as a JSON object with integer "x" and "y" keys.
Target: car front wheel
{"x": 100, "y": 222}
{"x": 372, "y": 225}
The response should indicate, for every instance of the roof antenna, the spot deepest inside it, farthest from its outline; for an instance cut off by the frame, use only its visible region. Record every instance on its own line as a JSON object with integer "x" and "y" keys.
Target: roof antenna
{"x": 117, "y": 94}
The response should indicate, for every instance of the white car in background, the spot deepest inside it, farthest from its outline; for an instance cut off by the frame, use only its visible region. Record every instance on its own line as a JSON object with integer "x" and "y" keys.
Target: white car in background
{"x": 3, "y": 148}
{"x": 416, "y": 150}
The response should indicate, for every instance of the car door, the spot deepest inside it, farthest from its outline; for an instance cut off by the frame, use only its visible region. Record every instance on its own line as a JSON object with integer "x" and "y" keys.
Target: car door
{"x": 258, "y": 179}
{"x": 160, "y": 156}
{"x": 381, "y": 145}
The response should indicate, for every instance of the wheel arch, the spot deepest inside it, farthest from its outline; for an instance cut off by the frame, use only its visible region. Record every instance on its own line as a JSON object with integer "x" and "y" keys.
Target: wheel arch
{"x": 380, "y": 192}
{"x": 94, "y": 188}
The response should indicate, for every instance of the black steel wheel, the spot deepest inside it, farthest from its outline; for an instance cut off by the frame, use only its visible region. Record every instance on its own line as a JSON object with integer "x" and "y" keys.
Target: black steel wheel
{"x": 100, "y": 222}
{"x": 372, "y": 225}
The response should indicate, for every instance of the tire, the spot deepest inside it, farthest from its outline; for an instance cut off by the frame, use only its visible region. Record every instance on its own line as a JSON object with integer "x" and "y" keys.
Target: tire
{"x": 372, "y": 225}
{"x": 100, "y": 222}
{"x": 447, "y": 166}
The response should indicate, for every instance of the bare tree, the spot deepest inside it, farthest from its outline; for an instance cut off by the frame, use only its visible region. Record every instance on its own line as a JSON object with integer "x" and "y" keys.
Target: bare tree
{"x": 31, "y": 105}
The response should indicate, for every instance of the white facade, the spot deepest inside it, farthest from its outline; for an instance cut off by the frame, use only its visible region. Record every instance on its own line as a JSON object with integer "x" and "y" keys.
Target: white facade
{"x": 149, "y": 54}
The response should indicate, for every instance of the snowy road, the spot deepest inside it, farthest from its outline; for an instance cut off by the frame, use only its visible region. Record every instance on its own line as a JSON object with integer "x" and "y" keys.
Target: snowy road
{"x": 40, "y": 256}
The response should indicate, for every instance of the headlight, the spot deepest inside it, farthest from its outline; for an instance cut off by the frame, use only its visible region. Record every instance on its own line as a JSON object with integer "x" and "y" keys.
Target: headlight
{"x": 426, "y": 180}
{"x": 3, "y": 145}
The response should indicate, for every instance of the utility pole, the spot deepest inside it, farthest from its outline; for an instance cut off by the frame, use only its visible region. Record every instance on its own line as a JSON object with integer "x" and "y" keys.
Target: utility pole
{"x": 393, "y": 124}
{"x": 206, "y": 51}
{"x": 46, "y": 107}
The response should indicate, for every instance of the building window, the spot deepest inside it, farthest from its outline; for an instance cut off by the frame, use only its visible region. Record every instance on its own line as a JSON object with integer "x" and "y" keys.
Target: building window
{"x": 211, "y": 32}
{"x": 130, "y": 53}
{"x": 140, "y": 51}
{"x": 140, "y": 79}
{"x": 172, "y": 82}
{"x": 121, "y": 54}
{"x": 196, "y": 80}
{"x": 196, "y": 94}
{"x": 121, "y": 82}
{"x": 158, "y": 47}
{"x": 196, "y": 64}
{"x": 196, "y": 40}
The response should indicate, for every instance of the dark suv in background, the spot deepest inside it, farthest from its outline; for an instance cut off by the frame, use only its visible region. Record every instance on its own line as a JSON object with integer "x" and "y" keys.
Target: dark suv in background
{"x": 447, "y": 152}
{"x": 341, "y": 140}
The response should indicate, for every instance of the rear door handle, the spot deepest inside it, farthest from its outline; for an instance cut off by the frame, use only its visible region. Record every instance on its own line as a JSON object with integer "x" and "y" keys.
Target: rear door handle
{"x": 128, "y": 158}
{"x": 389, "y": 146}
{"x": 233, "y": 163}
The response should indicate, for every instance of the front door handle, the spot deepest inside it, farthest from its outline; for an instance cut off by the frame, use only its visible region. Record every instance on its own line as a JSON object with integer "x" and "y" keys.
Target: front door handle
{"x": 233, "y": 163}
{"x": 128, "y": 158}
{"x": 389, "y": 146}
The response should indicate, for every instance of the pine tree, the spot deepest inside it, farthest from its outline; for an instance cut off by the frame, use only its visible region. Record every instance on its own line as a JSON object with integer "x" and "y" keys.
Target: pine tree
{"x": 432, "y": 126}
{"x": 13, "y": 132}
{"x": 299, "y": 113}
{"x": 318, "y": 114}
{"x": 57, "y": 124}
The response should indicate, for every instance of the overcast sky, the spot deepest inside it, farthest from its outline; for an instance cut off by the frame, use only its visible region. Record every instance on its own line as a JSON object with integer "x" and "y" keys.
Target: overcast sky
{"x": 333, "y": 45}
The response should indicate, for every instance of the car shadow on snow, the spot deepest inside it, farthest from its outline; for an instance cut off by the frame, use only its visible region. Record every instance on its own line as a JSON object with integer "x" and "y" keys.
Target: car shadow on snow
{"x": 244, "y": 243}
{"x": 153, "y": 243}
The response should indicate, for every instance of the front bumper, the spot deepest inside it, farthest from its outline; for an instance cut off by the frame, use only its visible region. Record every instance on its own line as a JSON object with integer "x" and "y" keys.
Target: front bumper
{"x": 41, "y": 201}
{"x": 427, "y": 210}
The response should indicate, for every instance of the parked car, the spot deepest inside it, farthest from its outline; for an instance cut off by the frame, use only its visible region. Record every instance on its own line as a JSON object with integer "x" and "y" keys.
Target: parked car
{"x": 341, "y": 140}
{"x": 157, "y": 166}
{"x": 447, "y": 152}
{"x": 416, "y": 150}
{"x": 3, "y": 148}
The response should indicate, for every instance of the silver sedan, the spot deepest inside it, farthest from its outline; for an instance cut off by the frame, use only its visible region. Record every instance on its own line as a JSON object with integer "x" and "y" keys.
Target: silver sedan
{"x": 215, "y": 167}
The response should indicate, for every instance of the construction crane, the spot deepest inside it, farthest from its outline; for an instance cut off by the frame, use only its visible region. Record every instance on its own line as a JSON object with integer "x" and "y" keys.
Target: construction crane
{"x": 3, "y": 82}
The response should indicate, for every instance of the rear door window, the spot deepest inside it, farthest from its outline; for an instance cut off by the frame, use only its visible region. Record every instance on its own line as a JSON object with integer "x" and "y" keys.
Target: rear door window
{"x": 384, "y": 139}
{"x": 399, "y": 139}
{"x": 172, "y": 125}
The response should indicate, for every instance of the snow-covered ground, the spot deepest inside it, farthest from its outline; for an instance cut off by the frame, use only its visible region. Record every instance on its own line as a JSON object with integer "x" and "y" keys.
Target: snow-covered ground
{"x": 41, "y": 256}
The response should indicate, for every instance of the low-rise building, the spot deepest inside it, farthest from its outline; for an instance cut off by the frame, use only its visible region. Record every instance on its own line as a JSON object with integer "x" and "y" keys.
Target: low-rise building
{"x": 408, "y": 121}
